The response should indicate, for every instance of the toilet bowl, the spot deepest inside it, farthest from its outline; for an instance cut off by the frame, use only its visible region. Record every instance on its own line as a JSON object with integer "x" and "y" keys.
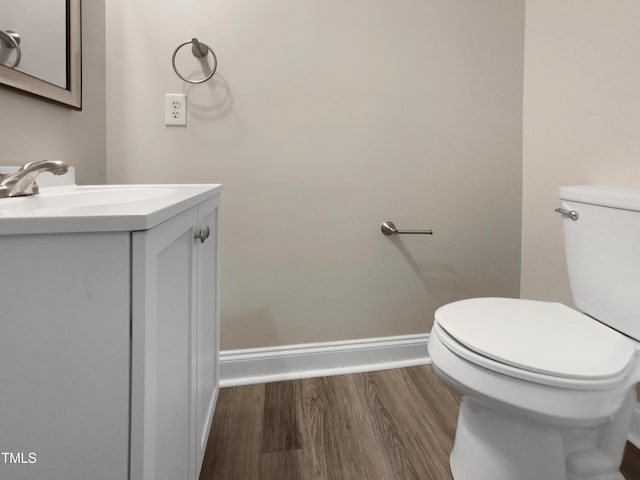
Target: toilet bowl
{"x": 549, "y": 391}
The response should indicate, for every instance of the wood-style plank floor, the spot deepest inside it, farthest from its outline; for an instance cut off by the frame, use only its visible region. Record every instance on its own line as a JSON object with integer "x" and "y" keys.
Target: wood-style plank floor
{"x": 391, "y": 425}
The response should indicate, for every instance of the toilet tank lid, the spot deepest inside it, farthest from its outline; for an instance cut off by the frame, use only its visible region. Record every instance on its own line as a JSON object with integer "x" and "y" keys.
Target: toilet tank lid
{"x": 627, "y": 198}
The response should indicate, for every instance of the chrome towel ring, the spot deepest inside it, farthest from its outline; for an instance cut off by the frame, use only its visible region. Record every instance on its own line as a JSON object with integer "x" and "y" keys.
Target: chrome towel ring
{"x": 12, "y": 40}
{"x": 199, "y": 50}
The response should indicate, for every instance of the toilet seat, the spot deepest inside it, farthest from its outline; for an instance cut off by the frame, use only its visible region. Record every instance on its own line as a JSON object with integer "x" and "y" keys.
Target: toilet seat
{"x": 541, "y": 342}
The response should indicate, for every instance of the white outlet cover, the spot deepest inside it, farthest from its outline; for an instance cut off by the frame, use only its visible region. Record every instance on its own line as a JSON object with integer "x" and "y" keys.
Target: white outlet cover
{"x": 175, "y": 109}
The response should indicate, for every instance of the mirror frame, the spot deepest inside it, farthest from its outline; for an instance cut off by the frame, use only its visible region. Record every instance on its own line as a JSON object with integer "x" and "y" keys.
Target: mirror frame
{"x": 70, "y": 96}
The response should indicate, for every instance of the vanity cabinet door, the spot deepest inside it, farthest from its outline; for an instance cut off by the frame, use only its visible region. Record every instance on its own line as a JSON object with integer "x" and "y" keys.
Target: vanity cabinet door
{"x": 164, "y": 273}
{"x": 207, "y": 335}
{"x": 174, "y": 346}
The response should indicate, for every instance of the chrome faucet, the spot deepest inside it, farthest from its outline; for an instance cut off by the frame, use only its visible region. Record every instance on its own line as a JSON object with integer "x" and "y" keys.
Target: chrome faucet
{"x": 23, "y": 182}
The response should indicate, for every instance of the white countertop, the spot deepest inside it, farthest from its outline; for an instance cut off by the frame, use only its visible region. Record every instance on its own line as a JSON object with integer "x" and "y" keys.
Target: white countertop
{"x": 99, "y": 208}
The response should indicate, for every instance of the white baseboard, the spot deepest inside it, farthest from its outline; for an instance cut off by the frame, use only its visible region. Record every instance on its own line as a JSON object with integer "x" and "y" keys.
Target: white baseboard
{"x": 634, "y": 432}
{"x": 273, "y": 364}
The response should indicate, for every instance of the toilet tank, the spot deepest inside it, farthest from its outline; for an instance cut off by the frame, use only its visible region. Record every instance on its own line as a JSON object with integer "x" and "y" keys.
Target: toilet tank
{"x": 603, "y": 253}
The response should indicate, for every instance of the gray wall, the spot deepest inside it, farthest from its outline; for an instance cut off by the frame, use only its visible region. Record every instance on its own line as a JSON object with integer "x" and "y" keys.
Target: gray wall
{"x": 32, "y": 129}
{"x": 325, "y": 119}
{"x": 581, "y": 111}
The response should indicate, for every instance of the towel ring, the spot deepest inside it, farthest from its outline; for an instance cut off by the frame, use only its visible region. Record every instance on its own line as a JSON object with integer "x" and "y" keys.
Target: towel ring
{"x": 12, "y": 40}
{"x": 199, "y": 50}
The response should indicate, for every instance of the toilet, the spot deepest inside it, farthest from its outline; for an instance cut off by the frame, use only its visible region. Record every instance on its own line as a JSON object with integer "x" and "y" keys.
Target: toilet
{"x": 549, "y": 391}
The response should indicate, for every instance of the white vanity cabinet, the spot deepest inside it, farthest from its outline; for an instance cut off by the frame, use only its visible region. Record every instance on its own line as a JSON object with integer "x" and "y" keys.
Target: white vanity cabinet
{"x": 109, "y": 340}
{"x": 174, "y": 344}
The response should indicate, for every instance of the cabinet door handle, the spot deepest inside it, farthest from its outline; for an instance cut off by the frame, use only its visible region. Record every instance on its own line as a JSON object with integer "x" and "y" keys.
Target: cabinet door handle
{"x": 203, "y": 233}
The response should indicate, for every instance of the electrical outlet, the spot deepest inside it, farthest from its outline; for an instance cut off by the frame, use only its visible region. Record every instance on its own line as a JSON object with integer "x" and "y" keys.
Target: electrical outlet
{"x": 175, "y": 109}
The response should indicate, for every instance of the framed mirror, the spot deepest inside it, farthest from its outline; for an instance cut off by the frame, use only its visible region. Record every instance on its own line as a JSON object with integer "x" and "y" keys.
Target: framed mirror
{"x": 41, "y": 49}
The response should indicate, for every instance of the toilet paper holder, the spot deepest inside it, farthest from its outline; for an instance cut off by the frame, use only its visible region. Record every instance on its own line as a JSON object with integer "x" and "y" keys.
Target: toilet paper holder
{"x": 389, "y": 228}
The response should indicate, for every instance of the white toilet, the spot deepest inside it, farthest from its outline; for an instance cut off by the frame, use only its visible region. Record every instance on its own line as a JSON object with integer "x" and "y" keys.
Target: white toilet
{"x": 549, "y": 392}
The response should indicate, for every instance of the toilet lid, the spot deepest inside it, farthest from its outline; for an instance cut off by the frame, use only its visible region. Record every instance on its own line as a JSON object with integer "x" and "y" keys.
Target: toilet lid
{"x": 541, "y": 337}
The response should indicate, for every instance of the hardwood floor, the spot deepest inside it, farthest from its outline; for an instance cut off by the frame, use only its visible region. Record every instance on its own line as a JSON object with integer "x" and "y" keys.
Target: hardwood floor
{"x": 391, "y": 425}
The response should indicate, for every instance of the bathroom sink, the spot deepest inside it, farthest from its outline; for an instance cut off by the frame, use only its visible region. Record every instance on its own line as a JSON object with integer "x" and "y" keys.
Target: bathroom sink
{"x": 81, "y": 199}
{"x": 74, "y": 208}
